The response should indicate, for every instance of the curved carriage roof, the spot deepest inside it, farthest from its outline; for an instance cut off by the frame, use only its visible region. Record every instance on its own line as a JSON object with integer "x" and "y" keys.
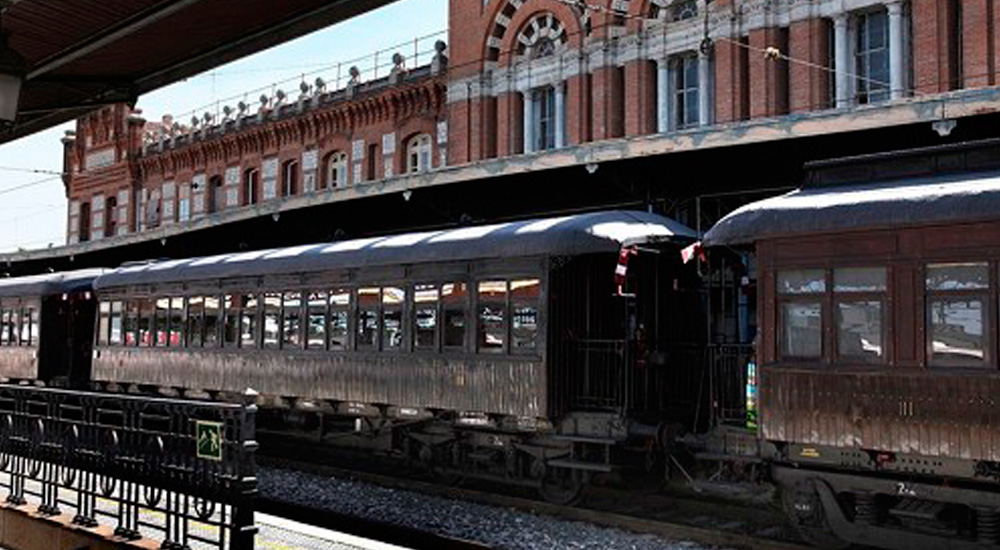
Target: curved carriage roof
{"x": 567, "y": 235}
{"x": 904, "y": 202}
{"x": 49, "y": 284}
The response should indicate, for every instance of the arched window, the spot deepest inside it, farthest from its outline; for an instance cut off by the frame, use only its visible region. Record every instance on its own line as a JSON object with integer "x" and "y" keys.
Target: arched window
{"x": 418, "y": 153}
{"x": 111, "y": 216}
{"x": 336, "y": 170}
{"x": 290, "y": 179}
{"x": 216, "y": 194}
{"x": 677, "y": 10}
{"x": 251, "y": 184}
{"x": 541, "y": 37}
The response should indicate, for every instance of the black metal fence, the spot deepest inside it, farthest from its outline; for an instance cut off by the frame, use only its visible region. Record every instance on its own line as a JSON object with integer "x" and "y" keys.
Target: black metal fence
{"x": 179, "y": 471}
{"x": 732, "y": 384}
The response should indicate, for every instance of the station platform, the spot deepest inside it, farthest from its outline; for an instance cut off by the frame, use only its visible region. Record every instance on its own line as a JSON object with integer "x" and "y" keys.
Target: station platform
{"x": 283, "y": 534}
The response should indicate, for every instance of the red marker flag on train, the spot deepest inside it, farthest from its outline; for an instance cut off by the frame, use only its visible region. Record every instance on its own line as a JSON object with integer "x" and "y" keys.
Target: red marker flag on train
{"x": 621, "y": 270}
{"x": 695, "y": 249}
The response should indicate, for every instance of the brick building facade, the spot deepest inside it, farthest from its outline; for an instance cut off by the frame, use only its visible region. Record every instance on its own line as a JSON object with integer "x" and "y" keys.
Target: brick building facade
{"x": 523, "y": 77}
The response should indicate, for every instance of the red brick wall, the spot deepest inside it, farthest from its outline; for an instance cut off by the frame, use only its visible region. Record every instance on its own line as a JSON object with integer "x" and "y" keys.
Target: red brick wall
{"x": 768, "y": 76}
{"x": 978, "y": 43}
{"x": 732, "y": 100}
{"x": 640, "y": 97}
{"x": 809, "y": 41}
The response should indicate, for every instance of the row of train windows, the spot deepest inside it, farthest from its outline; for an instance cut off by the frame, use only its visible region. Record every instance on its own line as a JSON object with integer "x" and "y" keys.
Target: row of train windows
{"x": 427, "y": 317}
{"x": 955, "y": 318}
{"x": 18, "y": 326}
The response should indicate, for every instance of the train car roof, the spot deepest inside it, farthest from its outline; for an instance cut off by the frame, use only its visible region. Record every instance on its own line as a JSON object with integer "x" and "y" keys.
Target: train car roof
{"x": 566, "y": 235}
{"x": 48, "y": 284}
{"x": 898, "y": 203}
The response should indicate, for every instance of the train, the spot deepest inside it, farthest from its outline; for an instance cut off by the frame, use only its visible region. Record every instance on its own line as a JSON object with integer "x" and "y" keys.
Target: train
{"x": 842, "y": 338}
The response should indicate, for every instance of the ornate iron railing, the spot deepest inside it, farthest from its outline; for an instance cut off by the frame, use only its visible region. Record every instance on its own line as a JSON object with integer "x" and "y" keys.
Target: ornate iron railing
{"x": 179, "y": 471}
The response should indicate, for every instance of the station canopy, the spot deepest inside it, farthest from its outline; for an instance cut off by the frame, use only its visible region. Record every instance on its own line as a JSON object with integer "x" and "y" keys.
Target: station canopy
{"x": 81, "y": 54}
{"x": 888, "y": 204}
{"x": 567, "y": 235}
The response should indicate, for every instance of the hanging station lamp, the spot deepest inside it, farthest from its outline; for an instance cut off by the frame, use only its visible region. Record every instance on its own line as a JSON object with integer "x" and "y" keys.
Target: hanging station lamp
{"x": 12, "y": 71}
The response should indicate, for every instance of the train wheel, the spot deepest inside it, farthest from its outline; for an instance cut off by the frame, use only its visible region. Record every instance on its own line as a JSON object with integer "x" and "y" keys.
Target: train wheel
{"x": 436, "y": 463}
{"x": 561, "y": 486}
{"x": 807, "y": 514}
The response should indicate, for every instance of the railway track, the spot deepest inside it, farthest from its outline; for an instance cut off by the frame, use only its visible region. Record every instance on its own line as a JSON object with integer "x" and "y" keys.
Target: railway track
{"x": 604, "y": 507}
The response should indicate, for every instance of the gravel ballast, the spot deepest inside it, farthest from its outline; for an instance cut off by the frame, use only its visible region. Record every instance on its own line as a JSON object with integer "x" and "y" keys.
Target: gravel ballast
{"x": 498, "y": 527}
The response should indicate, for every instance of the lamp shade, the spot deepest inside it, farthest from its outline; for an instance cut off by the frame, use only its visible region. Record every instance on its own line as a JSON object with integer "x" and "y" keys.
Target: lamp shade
{"x": 10, "y": 93}
{"x": 12, "y": 70}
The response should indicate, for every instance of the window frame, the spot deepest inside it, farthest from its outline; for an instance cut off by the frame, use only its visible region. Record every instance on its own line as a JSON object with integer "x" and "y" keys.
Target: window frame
{"x": 468, "y": 315}
{"x": 417, "y": 147}
{"x": 438, "y": 339}
{"x": 863, "y": 53}
{"x": 885, "y": 315}
{"x": 988, "y": 296}
{"x": 823, "y": 298}
{"x": 337, "y": 160}
{"x": 682, "y": 117}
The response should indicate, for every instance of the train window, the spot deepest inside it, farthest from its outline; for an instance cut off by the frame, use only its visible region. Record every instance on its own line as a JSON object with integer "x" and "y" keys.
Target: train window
{"x": 115, "y": 334}
{"x": 454, "y": 304}
{"x": 340, "y": 309}
{"x": 316, "y": 320}
{"x": 492, "y": 324}
{"x": 35, "y": 327}
{"x": 368, "y": 299}
{"x": 162, "y": 320}
{"x": 393, "y": 300}
{"x": 291, "y": 314}
{"x": 801, "y": 281}
{"x": 231, "y": 321}
{"x": 24, "y": 328}
{"x": 211, "y": 322}
{"x": 103, "y": 316}
{"x": 801, "y": 311}
{"x": 5, "y": 327}
{"x": 146, "y": 315}
{"x": 248, "y": 321}
{"x": 859, "y": 328}
{"x": 859, "y": 294}
{"x": 958, "y": 276}
{"x": 177, "y": 329}
{"x": 425, "y": 311}
{"x": 131, "y": 322}
{"x": 524, "y": 297}
{"x": 859, "y": 279}
{"x": 956, "y": 314}
{"x": 802, "y": 329}
{"x": 272, "y": 320}
{"x": 196, "y": 321}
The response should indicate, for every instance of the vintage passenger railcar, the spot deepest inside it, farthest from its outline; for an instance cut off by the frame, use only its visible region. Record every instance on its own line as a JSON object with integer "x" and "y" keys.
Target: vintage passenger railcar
{"x": 878, "y": 379}
{"x": 46, "y": 327}
{"x": 500, "y": 350}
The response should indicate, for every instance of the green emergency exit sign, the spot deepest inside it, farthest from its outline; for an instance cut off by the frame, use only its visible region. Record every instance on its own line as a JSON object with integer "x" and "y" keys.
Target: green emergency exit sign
{"x": 208, "y": 436}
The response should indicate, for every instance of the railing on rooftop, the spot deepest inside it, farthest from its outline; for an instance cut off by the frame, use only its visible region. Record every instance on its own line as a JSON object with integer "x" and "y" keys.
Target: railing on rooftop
{"x": 313, "y": 86}
{"x": 178, "y": 471}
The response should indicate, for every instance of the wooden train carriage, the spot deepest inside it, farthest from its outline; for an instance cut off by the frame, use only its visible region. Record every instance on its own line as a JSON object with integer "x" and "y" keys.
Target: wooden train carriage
{"x": 46, "y": 325}
{"x": 878, "y": 348}
{"x": 485, "y": 321}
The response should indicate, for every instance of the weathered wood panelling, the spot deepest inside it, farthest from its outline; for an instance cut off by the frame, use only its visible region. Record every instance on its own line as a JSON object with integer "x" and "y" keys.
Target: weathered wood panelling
{"x": 19, "y": 362}
{"x": 507, "y": 385}
{"x": 932, "y": 414}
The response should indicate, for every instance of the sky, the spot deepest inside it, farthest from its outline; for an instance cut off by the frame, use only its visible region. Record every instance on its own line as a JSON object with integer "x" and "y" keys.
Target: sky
{"x": 33, "y": 204}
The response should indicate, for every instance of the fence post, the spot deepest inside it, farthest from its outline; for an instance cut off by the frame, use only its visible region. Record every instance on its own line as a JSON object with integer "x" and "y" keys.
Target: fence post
{"x": 244, "y": 528}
